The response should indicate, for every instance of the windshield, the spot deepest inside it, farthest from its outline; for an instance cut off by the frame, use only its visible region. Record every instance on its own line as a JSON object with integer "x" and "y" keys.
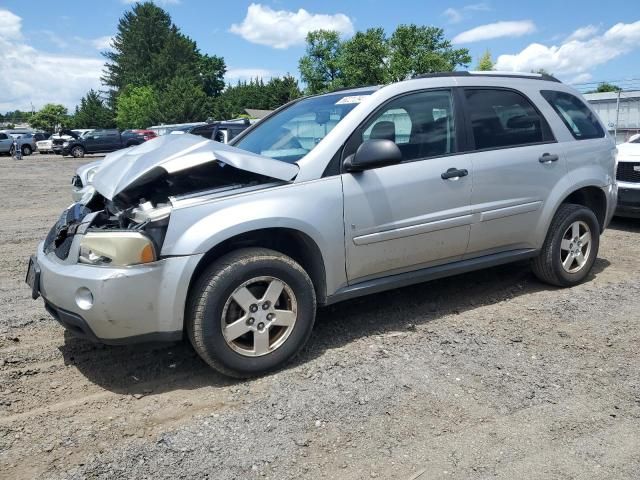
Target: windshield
{"x": 293, "y": 132}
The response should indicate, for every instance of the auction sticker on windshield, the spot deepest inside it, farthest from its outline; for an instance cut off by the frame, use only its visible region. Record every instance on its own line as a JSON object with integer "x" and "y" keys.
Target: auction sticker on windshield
{"x": 351, "y": 99}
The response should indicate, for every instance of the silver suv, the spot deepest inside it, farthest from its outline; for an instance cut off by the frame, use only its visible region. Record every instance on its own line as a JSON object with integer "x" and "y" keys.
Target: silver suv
{"x": 330, "y": 197}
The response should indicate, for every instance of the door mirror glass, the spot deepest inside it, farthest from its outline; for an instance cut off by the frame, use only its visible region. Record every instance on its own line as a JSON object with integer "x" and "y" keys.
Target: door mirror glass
{"x": 373, "y": 154}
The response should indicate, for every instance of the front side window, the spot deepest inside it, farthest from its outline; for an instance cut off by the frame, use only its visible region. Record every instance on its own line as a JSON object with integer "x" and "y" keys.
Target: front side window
{"x": 421, "y": 124}
{"x": 294, "y": 131}
{"x": 504, "y": 118}
{"x": 578, "y": 118}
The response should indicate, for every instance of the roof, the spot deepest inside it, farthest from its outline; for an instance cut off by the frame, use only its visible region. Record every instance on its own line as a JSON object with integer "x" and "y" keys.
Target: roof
{"x": 492, "y": 73}
{"x": 594, "y": 97}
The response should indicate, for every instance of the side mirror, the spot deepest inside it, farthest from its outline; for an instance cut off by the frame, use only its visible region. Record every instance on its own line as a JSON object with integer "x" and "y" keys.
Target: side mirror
{"x": 373, "y": 154}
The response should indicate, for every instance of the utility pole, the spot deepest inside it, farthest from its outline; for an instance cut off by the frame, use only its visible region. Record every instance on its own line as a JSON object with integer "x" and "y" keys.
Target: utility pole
{"x": 615, "y": 128}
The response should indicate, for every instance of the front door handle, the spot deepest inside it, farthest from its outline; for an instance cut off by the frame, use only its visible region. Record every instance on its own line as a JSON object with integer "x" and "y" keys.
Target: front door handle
{"x": 454, "y": 173}
{"x": 548, "y": 158}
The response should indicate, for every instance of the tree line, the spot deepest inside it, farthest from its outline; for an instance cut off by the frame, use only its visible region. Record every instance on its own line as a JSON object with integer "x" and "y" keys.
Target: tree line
{"x": 156, "y": 74}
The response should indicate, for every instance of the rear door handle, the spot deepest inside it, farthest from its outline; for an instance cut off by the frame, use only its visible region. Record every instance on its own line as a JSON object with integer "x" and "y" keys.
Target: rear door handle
{"x": 548, "y": 158}
{"x": 454, "y": 174}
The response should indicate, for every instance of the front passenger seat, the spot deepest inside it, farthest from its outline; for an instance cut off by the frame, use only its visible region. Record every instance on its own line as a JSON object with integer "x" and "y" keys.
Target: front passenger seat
{"x": 383, "y": 131}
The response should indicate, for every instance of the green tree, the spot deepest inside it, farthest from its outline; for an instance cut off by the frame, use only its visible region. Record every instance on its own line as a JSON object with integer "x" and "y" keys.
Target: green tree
{"x": 50, "y": 118}
{"x": 320, "y": 67}
{"x": 254, "y": 94}
{"x": 149, "y": 50}
{"x": 485, "y": 63}
{"x": 183, "y": 100}
{"x": 420, "y": 49}
{"x": 211, "y": 70}
{"x": 137, "y": 107}
{"x": 362, "y": 58}
{"x": 605, "y": 87}
{"x": 93, "y": 113}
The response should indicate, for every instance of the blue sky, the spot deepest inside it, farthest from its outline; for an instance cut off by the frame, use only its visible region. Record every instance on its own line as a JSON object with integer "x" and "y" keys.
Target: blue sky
{"x": 50, "y": 51}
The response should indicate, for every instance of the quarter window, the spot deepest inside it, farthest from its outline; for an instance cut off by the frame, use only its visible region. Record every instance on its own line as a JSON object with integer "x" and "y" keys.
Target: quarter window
{"x": 421, "y": 124}
{"x": 504, "y": 118}
{"x": 578, "y": 118}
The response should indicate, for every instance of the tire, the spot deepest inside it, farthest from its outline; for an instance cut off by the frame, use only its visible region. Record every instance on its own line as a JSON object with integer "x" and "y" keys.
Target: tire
{"x": 212, "y": 307}
{"x": 26, "y": 150}
{"x": 77, "y": 152}
{"x": 559, "y": 247}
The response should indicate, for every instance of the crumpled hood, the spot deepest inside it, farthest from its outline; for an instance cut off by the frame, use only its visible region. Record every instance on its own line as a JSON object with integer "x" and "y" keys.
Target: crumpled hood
{"x": 174, "y": 153}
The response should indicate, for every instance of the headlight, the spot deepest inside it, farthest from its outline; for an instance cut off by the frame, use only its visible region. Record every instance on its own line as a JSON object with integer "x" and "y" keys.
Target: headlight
{"x": 65, "y": 144}
{"x": 91, "y": 173}
{"x": 117, "y": 249}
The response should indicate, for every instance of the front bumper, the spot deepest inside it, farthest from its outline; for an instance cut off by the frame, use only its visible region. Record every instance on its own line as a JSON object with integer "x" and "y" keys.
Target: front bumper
{"x": 116, "y": 305}
{"x": 628, "y": 200}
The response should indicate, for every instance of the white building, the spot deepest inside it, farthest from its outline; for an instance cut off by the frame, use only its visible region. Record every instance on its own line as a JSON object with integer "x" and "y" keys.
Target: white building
{"x": 625, "y": 110}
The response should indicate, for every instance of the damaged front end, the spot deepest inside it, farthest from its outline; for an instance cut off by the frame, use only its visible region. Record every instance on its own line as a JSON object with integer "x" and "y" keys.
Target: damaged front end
{"x": 123, "y": 222}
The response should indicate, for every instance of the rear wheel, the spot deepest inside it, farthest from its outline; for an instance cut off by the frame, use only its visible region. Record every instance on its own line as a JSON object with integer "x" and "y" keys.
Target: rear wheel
{"x": 571, "y": 247}
{"x": 77, "y": 152}
{"x": 251, "y": 311}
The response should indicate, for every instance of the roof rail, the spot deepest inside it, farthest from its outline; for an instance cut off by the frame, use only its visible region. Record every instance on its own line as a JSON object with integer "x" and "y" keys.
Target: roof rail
{"x": 491, "y": 73}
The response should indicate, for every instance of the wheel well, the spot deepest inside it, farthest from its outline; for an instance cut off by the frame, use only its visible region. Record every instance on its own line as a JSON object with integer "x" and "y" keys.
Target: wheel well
{"x": 292, "y": 243}
{"x": 594, "y": 199}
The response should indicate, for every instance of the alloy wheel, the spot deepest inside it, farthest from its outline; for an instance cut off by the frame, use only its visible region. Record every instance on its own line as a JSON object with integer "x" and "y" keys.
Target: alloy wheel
{"x": 259, "y": 316}
{"x": 575, "y": 247}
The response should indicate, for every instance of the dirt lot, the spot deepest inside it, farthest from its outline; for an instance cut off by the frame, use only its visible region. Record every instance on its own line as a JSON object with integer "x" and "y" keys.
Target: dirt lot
{"x": 485, "y": 375}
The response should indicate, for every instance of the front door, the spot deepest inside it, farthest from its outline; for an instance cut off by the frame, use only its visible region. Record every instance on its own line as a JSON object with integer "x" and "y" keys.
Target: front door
{"x": 516, "y": 164}
{"x": 405, "y": 217}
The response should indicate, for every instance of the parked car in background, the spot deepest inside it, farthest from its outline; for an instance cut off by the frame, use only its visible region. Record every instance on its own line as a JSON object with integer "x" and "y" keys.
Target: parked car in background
{"x": 167, "y": 129}
{"x": 64, "y": 135}
{"x": 332, "y": 197}
{"x": 222, "y": 132}
{"x": 6, "y": 143}
{"x": 628, "y": 176}
{"x": 29, "y": 141}
{"x": 102, "y": 141}
{"x": 136, "y": 137}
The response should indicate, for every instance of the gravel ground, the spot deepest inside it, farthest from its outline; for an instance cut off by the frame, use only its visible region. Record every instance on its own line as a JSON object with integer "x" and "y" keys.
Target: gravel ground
{"x": 484, "y": 375}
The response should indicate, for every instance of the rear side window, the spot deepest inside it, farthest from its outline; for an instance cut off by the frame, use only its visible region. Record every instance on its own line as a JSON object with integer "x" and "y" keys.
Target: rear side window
{"x": 504, "y": 118}
{"x": 579, "y": 119}
{"x": 3, "y": 136}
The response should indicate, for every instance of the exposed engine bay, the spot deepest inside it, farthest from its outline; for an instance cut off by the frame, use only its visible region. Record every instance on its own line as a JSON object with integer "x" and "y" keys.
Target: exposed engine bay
{"x": 146, "y": 208}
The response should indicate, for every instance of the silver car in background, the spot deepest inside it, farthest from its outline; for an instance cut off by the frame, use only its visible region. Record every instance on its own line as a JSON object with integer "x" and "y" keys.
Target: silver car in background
{"x": 331, "y": 197}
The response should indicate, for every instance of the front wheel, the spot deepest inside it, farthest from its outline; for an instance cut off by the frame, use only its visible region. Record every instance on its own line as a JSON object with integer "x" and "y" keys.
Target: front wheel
{"x": 250, "y": 312}
{"x": 77, "y": 152}
{"x": 571, "y": 247}
{"x": 26, "y": 150}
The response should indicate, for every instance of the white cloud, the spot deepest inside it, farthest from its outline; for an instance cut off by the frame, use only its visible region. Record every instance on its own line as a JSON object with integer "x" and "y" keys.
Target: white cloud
{"x": 574, "y": 57}
{"x": 283, "y": 28}
{"x": 102, "y": 43}
{"x": 580, "y": 78}
{"x": 31, "y": 76}
{"x": 496, "y": 30}
{"x": 583, "y": 33}
{"x": 456, "y": 15}
{"x": 10, "y": 25}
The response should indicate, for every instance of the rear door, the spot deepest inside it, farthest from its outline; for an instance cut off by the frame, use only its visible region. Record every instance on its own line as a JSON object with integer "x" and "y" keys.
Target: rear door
{"x": 516, "y": 164}
{"x": 405, "y": 217}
